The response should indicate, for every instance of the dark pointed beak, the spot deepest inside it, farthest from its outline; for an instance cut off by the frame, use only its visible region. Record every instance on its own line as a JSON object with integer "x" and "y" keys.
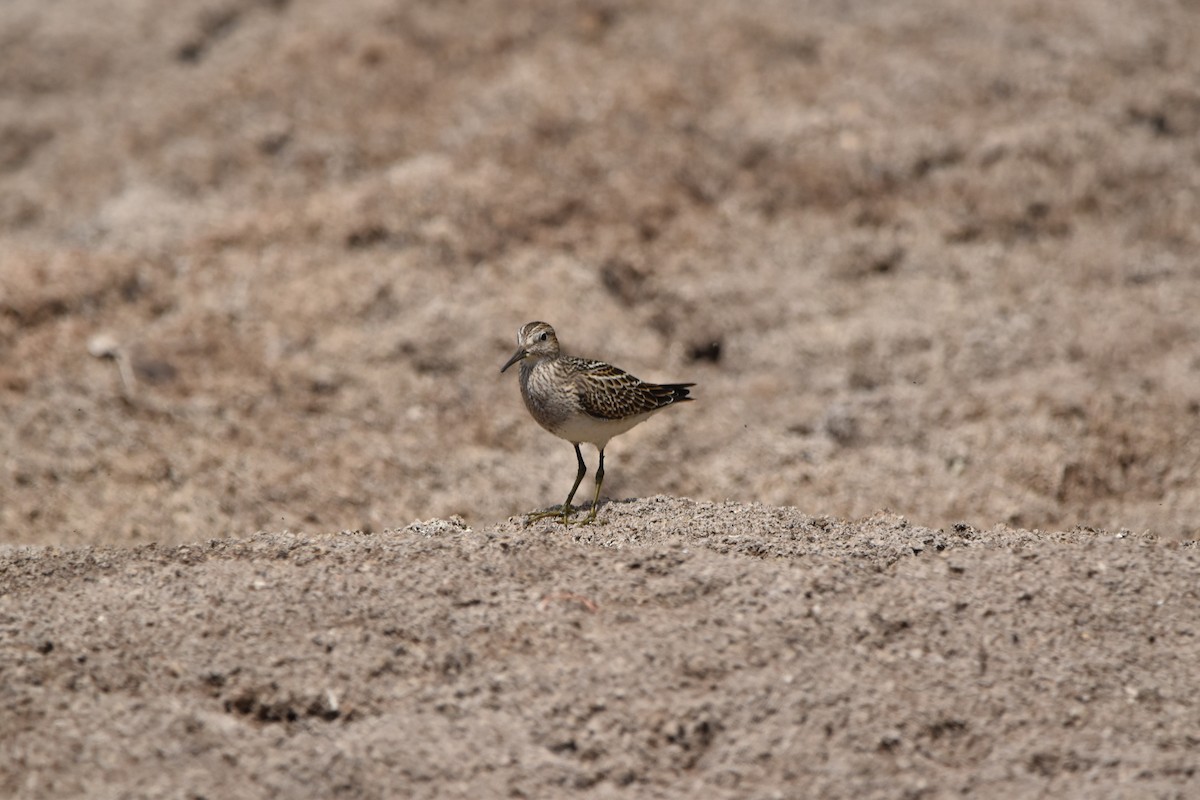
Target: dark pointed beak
{"x": 517, "y": 356}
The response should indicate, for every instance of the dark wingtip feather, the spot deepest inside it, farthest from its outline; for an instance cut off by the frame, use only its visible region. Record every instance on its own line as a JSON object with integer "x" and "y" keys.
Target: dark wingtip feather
{"x": 680, "y": 392}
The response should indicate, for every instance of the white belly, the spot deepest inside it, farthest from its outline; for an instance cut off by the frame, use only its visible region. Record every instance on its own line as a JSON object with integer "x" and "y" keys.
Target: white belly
{"x": 580, "y": 428}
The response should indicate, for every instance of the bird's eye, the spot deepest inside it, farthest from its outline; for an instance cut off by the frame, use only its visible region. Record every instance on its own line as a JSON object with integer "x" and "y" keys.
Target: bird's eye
{"x": 543, "y": 337}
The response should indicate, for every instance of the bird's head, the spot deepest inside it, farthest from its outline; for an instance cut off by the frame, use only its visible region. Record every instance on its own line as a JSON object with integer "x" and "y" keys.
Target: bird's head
{"x": 535, "y": 340}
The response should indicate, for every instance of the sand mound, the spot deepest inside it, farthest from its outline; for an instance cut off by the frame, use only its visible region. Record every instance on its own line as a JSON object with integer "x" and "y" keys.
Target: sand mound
{"x": 680, "y": 649}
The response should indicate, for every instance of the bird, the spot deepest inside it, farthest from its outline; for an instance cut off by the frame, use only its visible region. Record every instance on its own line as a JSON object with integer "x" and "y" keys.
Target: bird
{"x": 583, "y": 401}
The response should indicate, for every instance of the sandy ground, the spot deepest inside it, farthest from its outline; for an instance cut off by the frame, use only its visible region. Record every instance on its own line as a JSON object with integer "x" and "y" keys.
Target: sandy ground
{"x": 260, "y": 263}
{"x": 682, "y": 649}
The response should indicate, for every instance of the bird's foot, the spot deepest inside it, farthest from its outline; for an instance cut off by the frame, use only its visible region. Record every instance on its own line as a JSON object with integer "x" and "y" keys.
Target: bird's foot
{"x": 588, "y": 520}
{"x": 564, "y": 514}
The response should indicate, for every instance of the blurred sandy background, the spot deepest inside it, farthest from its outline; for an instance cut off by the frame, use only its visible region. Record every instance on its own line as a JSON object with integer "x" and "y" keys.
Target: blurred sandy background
{"x": 929, "y": 257}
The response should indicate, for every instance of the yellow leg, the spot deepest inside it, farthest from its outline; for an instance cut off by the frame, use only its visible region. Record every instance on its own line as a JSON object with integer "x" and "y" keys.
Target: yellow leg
{"x": 591, "y": 517}
{"x": 566, "y": 509}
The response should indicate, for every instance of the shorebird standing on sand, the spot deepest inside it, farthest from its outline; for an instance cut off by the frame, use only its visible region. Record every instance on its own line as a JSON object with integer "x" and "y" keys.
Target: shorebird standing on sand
{"x": 583, "y": 401}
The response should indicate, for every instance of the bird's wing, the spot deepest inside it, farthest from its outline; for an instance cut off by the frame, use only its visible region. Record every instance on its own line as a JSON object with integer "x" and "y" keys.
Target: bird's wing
{"x": 607, "y": 392}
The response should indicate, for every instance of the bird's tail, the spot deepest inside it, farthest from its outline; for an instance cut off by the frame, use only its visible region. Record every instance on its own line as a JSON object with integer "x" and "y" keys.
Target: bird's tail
{"x": 680, "y": 392}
